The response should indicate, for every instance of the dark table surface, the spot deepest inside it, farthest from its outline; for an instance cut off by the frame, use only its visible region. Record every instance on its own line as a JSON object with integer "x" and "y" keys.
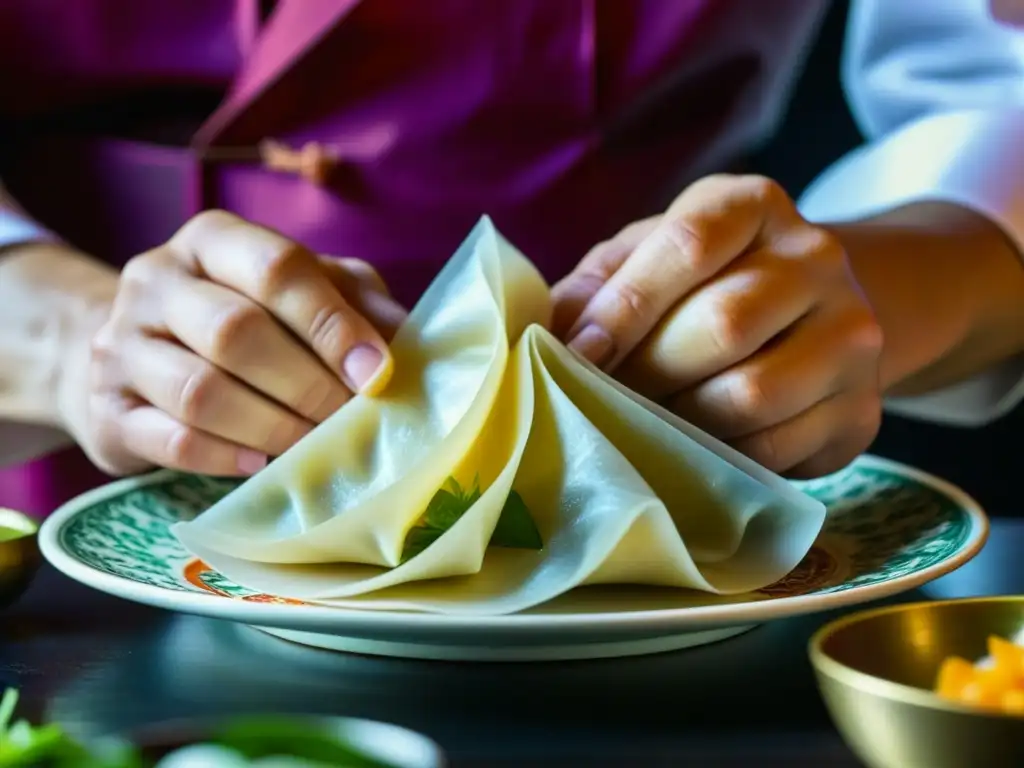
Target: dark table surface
{"x": 100, "y": 664}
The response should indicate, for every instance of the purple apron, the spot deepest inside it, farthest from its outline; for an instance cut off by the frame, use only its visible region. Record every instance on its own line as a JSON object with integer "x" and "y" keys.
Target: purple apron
{"x": 563, "y": 120}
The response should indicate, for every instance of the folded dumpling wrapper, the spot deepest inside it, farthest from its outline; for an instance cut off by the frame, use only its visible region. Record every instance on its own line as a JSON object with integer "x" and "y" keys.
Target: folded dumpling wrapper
{"x": 621, "y": 490}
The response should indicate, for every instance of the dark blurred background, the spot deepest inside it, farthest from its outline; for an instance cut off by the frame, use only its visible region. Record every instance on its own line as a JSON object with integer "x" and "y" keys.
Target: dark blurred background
{"x": 817, "y": 130}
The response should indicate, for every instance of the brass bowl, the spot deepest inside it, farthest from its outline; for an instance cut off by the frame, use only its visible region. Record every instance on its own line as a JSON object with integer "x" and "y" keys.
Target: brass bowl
{"x": 876, "y": 671}
{"x": 19, "y": 554}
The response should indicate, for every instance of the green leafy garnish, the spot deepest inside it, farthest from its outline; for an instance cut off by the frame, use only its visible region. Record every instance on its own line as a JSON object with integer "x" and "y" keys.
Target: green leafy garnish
{"x": 255, "y": 737}
{"x": 250, "y": 738}
{"x": 515, "y": 528}
{"x": 22, "y": 744}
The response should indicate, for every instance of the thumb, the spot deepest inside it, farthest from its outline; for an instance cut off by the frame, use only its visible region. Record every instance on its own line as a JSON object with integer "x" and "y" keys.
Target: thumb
{"x": 573, "y": 292}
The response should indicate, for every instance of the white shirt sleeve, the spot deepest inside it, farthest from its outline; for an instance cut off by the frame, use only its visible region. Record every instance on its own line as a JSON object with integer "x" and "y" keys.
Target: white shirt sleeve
{"x": 15, "y": 228}
{"x": 937, "y": 86}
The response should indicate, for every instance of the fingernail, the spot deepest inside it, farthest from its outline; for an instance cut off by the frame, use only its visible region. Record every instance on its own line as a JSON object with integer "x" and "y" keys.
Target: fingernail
{"x": 251, "y": 462}
{"x": 362, "y": 365}
{"x": 594, "y": 343}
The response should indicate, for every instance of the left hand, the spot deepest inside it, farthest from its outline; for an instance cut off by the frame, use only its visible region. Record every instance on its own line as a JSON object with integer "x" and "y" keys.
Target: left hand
{"x": 737, "y": 314}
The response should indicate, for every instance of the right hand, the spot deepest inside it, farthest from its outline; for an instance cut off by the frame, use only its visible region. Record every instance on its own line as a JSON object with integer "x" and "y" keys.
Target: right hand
{"x": 225, "y": 346}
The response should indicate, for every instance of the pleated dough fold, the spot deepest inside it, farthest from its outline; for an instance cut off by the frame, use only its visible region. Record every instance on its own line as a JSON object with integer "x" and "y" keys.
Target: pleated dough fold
{"x": 619, "y": 489}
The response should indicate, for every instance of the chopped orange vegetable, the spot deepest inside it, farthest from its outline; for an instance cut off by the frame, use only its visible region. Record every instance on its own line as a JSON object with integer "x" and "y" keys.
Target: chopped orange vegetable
{"x": 999, "y": 684}
{"x": 1007, "y": 656}
{"x": 1013, "y": 701}
{"x": 954, "y": 675}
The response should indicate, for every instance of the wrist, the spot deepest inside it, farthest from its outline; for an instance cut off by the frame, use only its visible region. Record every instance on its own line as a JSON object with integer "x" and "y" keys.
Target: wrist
{"x": 52, "y": 300}
{"x": 71, "y": 382}
{"x": 89, "y": 308}
{"x": 947, "y": 285}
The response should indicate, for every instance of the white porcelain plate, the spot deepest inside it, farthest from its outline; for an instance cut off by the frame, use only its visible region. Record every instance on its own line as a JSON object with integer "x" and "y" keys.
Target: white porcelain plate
{"x": 889, "y": 529}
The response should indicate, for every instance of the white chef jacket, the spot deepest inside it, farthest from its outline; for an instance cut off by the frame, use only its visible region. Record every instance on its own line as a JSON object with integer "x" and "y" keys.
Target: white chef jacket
{"x": 937, "y": 86}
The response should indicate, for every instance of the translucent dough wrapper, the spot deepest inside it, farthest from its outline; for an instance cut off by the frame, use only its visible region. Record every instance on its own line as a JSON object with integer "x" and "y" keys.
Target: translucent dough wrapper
{"x": 620, "y": 490}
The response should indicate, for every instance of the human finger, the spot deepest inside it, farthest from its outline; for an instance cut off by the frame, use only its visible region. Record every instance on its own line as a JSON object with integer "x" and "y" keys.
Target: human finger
{"x": 160, "y": 439}
{"x": 719, "y": 325}
{"x": 365, "y": 290}
{"x": 709, "y": 225}
{"x": 820, "y": 440}
{"x": 199, "y": 394}
{"x": 571, "y": 294}
{"x": 824, "y": 355}
{"x": 288, "y": 280}
{"x": 242, "y": 338}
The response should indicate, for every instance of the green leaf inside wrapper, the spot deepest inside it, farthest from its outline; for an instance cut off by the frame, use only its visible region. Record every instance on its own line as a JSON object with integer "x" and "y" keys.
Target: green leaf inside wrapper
{"x": 515, "y": 528}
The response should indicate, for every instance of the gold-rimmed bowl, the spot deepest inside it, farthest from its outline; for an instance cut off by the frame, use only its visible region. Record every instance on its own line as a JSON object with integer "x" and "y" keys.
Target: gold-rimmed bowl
{"x": 876, "y": 671}
{"x": 19, "y": 554}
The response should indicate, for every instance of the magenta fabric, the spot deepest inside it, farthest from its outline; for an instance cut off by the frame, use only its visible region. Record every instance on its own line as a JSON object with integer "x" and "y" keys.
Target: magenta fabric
{"x": 562, "y": 119}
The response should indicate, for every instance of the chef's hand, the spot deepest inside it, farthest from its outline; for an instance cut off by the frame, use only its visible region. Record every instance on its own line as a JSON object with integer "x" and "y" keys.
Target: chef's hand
{"x": 740, "y": 316}
{"x": 226, "y": 345}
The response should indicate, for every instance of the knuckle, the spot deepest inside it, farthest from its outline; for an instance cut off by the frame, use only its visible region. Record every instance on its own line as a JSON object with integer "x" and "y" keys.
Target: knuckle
{"x": 235, "y": 327}
{"x": 687, "y": 241}
{"x": 197, "y": 392}
{"x": 825, "y": 245}
{"x": 747, "y": 395}
{"x": 184, "y": 447}
{"x": 103, "y": 343}
{"x": 139, "y": 271}
{"x": 728, "y": 322}
{"x": 872, "y": 336}
{"x": 204, "y": 221}
{"x": 331, "y": 333}
{"x": 763, "y": 189}
{"x": 279, "y": 268}
{"x": 864, "y": 331}
{"x": 826, "y": 251}
{"x": 632, "y": 303}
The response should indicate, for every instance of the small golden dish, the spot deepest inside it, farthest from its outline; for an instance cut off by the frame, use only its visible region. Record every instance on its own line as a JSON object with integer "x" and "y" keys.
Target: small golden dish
{"x": 19, "y": 554}
{"x": 877, "y": 669}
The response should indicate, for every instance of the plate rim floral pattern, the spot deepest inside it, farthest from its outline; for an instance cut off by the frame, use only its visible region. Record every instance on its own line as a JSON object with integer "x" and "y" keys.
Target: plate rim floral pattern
{"x": 337, "y": 620}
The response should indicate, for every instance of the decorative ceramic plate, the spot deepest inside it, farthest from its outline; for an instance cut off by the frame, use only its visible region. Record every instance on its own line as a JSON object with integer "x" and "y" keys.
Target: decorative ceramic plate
{"x": 889, "y": 529}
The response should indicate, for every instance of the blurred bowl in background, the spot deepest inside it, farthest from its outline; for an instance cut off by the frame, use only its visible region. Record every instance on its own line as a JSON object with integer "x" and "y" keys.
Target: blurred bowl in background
{"x": 19, "y": 554}
{"x": 876, "y": 671}
{"x": 382, "y": 743}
